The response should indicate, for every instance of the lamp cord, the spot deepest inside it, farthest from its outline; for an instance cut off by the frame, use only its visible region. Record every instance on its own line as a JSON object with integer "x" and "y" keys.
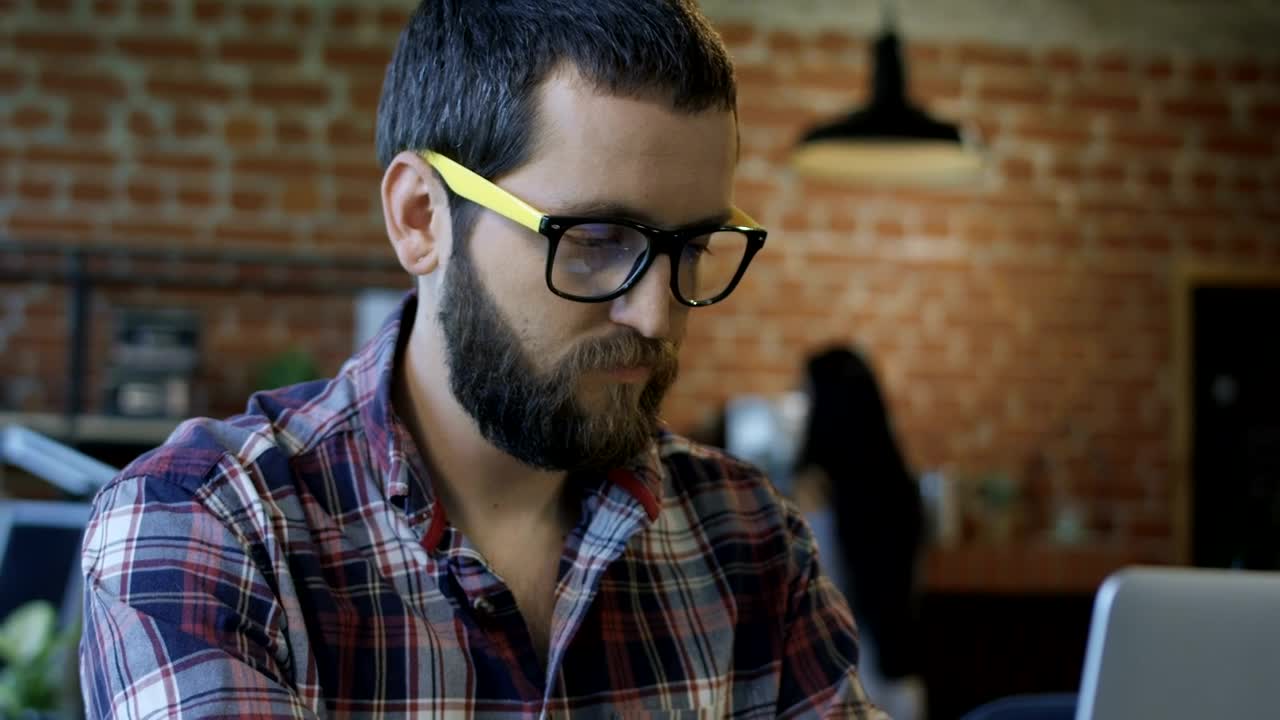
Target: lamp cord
{"x": 888, "y": 16}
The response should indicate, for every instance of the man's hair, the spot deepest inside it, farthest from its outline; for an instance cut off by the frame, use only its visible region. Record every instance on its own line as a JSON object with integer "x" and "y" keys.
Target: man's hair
{"x": 464, "y": 77}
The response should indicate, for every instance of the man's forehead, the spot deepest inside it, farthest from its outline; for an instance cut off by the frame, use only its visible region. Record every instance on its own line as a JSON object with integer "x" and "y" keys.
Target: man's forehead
{"x": 605, "y": 208}
{"x": 571, "y": 111}
{"x": 591, "y": 148}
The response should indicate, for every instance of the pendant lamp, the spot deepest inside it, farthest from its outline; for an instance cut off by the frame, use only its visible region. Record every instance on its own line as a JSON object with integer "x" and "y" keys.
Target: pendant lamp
{"x": 890, "y": 141}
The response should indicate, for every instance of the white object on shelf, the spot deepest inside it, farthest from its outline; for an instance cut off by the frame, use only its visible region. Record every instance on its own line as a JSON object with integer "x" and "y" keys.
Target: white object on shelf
{"x": 768, "y": 431}
{"x": 942, "y": 507}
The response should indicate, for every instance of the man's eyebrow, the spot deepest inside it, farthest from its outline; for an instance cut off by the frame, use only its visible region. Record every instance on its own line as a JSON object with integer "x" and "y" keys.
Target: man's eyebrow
{"x": 606, "y": 209}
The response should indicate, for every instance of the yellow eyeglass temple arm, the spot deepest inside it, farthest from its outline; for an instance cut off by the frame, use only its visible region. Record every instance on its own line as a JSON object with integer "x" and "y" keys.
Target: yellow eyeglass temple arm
{"x": 742, "y": 219}
{"x": 482, "y": 192}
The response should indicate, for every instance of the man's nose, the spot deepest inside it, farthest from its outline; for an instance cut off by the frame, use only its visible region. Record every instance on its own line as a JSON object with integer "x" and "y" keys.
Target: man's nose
{"x": 647, "y": 306}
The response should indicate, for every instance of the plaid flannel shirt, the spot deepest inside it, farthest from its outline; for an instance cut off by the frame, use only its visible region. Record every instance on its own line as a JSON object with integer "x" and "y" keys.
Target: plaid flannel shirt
{"x": 292, "y": 562}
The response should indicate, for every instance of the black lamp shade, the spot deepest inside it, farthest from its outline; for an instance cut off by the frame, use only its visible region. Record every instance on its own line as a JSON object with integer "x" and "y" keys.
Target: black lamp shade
{"x": 889, "y": 140}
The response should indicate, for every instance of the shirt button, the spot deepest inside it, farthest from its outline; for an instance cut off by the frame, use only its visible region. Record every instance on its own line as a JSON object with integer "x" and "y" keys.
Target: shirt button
{"x": 482, "y": 605}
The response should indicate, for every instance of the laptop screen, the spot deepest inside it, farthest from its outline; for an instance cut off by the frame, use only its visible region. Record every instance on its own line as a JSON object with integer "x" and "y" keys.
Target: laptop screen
{"x": 40, "y": 555}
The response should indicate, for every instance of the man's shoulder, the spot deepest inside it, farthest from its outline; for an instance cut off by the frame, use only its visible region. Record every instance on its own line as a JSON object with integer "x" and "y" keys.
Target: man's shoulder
{"x": 716, "y": 481}
{"x": 276, "y": 426}
{"x": 736, "y": 515}
{"x": 699, "y": 464}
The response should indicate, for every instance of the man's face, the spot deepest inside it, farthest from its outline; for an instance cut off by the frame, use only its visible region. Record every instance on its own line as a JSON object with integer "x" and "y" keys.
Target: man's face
{"x": 566, "y": 385}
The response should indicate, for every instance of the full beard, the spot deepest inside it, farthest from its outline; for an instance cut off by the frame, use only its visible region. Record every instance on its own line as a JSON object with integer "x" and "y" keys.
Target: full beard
{"x": 537, "y": 418}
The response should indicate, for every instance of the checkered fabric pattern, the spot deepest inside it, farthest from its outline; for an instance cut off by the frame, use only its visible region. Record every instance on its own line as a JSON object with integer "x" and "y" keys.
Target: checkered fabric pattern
{"x": 293, "y": 562}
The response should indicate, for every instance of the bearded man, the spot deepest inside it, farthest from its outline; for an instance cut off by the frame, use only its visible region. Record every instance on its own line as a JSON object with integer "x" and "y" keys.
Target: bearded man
{"x": 482, "y": 515}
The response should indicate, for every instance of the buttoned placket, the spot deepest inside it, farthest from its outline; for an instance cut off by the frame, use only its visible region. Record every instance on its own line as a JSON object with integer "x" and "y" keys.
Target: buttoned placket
{"x": 491, "y": 603}
{"x": 598, "y": 542}
{"x": 599, "y": 539}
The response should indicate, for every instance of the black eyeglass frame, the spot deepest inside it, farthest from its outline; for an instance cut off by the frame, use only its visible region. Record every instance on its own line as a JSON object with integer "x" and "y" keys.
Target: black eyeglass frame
{"x": 660, "y": 242}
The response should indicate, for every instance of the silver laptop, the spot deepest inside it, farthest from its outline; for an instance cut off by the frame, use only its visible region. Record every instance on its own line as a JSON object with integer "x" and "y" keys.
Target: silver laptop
{"x": 1181, "y": 643}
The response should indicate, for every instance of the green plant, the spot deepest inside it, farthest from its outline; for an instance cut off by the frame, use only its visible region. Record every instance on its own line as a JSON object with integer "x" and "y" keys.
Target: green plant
{"x": 286, "y": 368}
{"x": 33, "y": 652}
{"x": 997, "y": 491}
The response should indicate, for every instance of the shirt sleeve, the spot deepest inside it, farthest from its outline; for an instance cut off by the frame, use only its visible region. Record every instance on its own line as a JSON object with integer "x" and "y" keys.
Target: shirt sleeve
{"x": 179, "y": 619}
{"x": 820, "y": 652}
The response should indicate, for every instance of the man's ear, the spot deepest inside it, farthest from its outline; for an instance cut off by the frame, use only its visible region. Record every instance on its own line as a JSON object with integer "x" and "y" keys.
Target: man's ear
{"x": 415, "y": 208}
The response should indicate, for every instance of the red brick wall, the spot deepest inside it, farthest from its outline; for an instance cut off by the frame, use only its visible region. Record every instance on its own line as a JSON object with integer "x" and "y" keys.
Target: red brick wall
{"x": 208, "y": 124}
{"x": 1023, "y": 324}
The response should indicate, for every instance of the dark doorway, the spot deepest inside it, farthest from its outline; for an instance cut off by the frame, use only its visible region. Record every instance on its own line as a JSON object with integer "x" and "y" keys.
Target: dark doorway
{"x": 1236, "y": 414}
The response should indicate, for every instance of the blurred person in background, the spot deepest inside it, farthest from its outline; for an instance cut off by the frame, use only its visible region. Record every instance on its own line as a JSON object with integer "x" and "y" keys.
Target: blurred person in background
{"x": 864, "y": 505}
{"x": 482, "y": 514}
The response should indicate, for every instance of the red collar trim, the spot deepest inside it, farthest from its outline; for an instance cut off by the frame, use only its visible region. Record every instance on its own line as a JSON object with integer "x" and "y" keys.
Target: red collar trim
{"x": 628, "y": 481}
{"x": 435, "y": 531}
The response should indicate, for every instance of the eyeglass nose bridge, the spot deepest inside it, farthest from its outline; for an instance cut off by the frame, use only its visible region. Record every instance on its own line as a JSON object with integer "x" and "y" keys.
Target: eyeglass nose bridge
{"x": 659, "y": 242}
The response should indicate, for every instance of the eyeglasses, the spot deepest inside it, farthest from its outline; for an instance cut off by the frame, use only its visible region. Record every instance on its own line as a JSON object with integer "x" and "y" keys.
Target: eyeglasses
{"x": 595, "y": 259}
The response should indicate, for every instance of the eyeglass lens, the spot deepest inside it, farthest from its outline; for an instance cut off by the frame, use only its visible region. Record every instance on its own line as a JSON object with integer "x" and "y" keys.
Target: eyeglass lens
{"x": 593, "y": 260}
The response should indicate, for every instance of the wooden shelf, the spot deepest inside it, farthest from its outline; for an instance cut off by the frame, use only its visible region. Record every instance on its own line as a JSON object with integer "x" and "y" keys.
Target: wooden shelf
{"x": 94, "y": 428}
{"x": 1029, "y": 568}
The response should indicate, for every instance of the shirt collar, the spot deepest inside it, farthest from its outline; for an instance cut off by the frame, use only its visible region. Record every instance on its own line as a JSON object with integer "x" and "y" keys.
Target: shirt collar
{"x": 372, "y": 370}
{"x": 395, "y": 456}
{"x": 643, "y": 478}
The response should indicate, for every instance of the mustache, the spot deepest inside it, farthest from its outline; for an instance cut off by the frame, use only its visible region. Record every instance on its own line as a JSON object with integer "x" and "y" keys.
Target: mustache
{"x": 626, "y": 349}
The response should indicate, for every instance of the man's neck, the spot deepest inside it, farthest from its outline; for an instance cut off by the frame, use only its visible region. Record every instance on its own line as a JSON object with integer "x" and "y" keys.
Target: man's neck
{"x": 481, "y": 486}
